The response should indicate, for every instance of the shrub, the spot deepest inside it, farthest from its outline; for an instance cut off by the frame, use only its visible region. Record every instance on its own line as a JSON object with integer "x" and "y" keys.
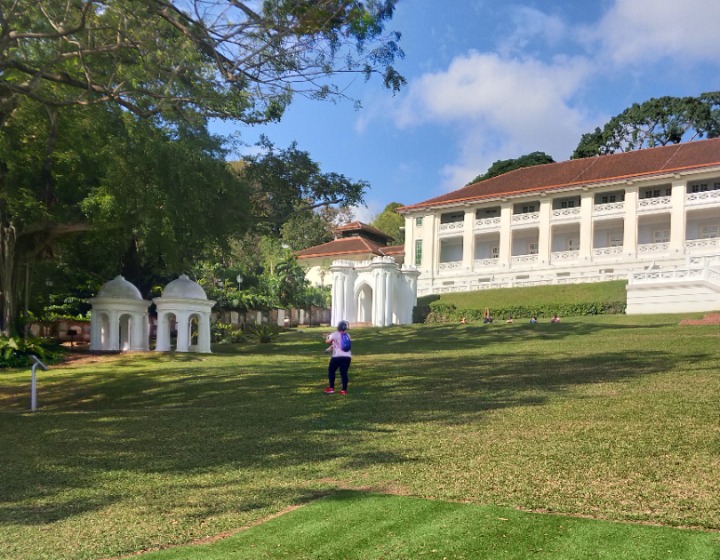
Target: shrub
{"x": 264, "y": 332}
{"x": 446, "y": 313}
{"x": 223, "y": 333}
{"x": 15, "y": 352}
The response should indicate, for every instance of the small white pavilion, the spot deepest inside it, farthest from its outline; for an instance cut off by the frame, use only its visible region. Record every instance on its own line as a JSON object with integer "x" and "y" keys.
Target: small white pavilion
{"x": 185, "y": 305}
{"x": 119, "y": 320}
{"x": 379, "y": 292}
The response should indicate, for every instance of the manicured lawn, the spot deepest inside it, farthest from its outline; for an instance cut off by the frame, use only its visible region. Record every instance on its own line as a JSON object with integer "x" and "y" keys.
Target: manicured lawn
{"x": 362, "y": 526}
{"x": 609, "y": 417}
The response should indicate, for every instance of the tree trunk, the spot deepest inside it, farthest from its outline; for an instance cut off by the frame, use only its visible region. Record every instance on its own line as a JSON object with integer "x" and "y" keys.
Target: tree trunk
{"x": 7, "y": 278}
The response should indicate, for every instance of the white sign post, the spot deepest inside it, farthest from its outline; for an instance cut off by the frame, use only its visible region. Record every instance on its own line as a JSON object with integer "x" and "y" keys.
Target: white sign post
{"x": 33, "y": 382}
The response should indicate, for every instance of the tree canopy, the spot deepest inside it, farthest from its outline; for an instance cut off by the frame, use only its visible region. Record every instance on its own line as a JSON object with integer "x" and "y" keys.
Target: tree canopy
{"x": 217, "y": 58}
{"x": 287, "y": 182}
{"x": 504, "y": 165}
{"x": 390, "y": 222}
{"x": 148, "y": 74}
{"x": 655, "y": 122}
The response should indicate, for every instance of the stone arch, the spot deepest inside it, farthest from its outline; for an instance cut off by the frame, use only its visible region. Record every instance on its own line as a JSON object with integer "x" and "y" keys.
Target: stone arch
{"x": 364, "y": 303}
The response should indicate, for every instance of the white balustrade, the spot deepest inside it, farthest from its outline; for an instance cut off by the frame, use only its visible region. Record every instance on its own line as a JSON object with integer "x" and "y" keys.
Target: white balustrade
{"x": 485, "y": 223}
{"x": 527, "y": 218}
{"x": 609, "y": 208}
{"x": 565, "y": 213}
{"x": 564, "y": 255}
{"x": 607, "y": 251}
{"x": 653, "y": 247}
{"x": 702, "y": 197}
{"x": 648, "y": 204}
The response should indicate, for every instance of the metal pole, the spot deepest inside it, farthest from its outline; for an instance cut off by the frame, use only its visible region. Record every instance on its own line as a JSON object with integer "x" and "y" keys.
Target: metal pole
{"x": 33, "y": 389}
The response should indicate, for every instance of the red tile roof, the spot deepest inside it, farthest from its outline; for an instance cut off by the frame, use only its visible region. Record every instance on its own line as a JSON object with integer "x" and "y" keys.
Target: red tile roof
{"x": 586, "y": 171}
{"x": 361, "y": 226}
{"x": 344, "y": 246}
{"x": 350, "y": 246}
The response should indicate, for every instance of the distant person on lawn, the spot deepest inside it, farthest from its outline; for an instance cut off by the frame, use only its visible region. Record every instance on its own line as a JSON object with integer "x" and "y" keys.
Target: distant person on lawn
{"x": 339, "y": 359}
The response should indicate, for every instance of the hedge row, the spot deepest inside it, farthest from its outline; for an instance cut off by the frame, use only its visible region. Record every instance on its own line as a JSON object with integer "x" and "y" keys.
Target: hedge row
{"x": 447, "y": 313}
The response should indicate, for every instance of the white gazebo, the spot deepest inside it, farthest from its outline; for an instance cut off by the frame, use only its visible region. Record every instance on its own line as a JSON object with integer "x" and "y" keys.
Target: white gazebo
{"x": 183, "y": 303}
{"x": 119, "y": 320}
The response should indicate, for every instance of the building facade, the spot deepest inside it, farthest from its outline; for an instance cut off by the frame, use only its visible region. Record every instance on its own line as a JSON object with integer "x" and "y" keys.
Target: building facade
{"x": 585, "y": 220}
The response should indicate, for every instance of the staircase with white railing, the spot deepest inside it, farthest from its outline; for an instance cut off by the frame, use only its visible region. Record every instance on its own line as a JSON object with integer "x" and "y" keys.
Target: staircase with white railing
{"x": 693, "y": 288}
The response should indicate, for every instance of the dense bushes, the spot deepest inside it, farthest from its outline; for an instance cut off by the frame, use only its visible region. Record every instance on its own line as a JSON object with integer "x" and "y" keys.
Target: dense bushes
{"x": 443, "y": 312}
{"x": 16, "y": 352}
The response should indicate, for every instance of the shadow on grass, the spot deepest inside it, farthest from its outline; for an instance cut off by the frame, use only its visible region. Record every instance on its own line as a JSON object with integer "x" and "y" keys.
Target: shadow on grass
{"x": 264, "y": 410}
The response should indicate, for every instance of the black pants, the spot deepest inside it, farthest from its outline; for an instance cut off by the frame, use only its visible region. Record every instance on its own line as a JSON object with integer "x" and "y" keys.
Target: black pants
{"x": 342, "y": 362}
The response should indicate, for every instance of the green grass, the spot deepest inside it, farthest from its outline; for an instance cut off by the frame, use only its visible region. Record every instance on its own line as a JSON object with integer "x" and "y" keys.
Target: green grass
{"x": 614, "y": 418}
{"x": 362, "y": 526}
{"x": 538, "y": 296}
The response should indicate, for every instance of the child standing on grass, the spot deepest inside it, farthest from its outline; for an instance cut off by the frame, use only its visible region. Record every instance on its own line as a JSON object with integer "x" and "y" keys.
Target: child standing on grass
{"x": 340, "y": 359}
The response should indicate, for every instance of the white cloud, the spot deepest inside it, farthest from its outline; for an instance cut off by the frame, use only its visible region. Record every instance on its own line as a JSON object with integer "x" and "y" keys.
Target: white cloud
{"x": 634, "y": 32}
{"x": 501, "y": 107}
{"x": 531, "y": 24}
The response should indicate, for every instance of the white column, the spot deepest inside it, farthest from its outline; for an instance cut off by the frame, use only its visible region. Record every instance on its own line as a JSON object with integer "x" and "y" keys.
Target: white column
{"x": 469, "y": 240}
{"x": 505, "y": 249}
{"x": 678, "y": 219}
{"x": 113, "y": 331}
{"x": 430, "y": 256}
{"x": 350, "y": 296}
{"x": 183, "y": 331}
{"x": 136, "y": 332}
{"x": 586, "y": 225}
{"x": 96, "y": 330}
{"x": 162, "y": 342}
{"x": 379, "y": 299}
{"x": 544, "y": 233}
{"x": 388, "y": 298}
{"x": 203, "y": 344}
{"x": 630, "y": 232}
{"x": 411, "y": 234}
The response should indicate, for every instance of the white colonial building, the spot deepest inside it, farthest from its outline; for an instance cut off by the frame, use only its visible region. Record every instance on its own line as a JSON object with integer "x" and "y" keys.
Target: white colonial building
{"x": 618, "y": 216}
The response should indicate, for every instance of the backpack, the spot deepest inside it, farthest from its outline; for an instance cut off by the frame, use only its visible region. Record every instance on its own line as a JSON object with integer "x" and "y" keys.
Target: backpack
{"x": 345, "y": 343}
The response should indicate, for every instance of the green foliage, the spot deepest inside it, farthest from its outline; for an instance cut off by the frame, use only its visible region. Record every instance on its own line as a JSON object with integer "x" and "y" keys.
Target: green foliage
{"x": 165, "y": 61}
{"x": 223, "y": 333}
{"x": 505, "y": 165}
{"x": 264, "y": 332}
{"x": 16, "y": 351}
{"x": 567, "y": 300}
{"x": 655, "y": 122}
{"x": 390, "y": 222}
{"x": 284, "y": 182}
{"x": 444, "y": 312}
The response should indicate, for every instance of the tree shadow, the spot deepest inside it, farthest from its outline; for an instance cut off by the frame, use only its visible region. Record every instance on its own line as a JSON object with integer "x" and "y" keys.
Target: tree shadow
{"x": 188, "y": 414}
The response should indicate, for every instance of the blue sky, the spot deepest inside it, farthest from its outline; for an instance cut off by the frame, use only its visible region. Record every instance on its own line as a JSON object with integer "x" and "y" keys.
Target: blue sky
{"x": 491, "y": 80}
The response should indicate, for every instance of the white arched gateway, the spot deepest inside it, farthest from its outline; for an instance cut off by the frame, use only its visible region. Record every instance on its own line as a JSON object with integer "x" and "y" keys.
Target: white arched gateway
{"x": 119, "y": 319}
{"x": 379, "y": 292}
{"x": 183, "y": 306}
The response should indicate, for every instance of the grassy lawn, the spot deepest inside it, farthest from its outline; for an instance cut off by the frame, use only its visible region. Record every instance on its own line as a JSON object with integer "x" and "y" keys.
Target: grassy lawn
{"x": 614, "y": 418}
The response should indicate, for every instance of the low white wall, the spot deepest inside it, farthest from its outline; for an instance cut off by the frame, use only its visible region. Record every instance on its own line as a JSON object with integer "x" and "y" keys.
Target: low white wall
{"x": 675, "y": 297}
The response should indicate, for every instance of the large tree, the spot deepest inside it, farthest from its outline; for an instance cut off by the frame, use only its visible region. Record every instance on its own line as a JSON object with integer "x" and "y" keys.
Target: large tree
{"x": 155, "y": 198}
{"x": 390, "y": 222}
{"x": 287, "y": 183}
{"x": 172, "y": 64}
{"x": 502, "y": 166}
{"x": 655, "y": 122}
{"x": 216, "y": 58}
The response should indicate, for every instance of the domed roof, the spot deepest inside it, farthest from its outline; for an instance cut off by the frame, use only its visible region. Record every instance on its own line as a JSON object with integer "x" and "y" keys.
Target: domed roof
{"x": 119, "y": 288}
{"x": 184, "y": 288}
